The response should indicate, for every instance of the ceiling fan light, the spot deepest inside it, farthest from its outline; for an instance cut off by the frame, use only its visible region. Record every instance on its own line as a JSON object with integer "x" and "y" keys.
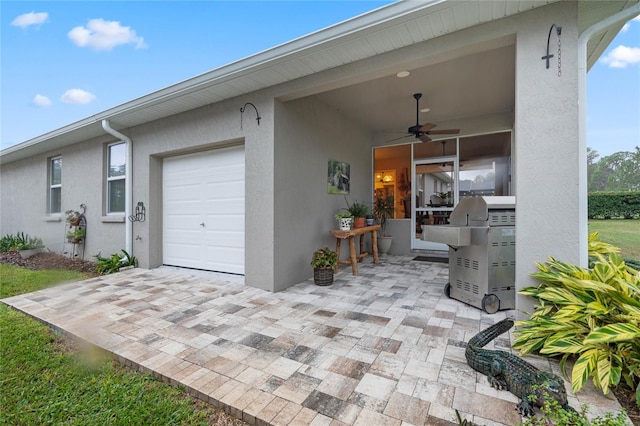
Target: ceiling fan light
{"x": 403, "y": 74}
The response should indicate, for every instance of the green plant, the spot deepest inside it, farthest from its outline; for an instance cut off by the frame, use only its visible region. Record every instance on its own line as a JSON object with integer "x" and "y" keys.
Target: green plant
{"x": 76, "y": 234}
{"x": 357, "y": 209}
{"x": 343, "y": 215}
{"x": 383, "y": 209}
{"x": 20, "y": 241}
{"x": 43, "y": 382}
{"x": 592, "y": 314}
{"x": 113, "y": 263}
{"x": 72, "y": 217}
{"x": 553, "y": 414}
{"x": 324, "y": 258}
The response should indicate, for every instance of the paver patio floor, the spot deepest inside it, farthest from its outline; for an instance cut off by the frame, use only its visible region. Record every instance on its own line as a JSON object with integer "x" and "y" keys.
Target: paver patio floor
{"x": 382, "y": 348}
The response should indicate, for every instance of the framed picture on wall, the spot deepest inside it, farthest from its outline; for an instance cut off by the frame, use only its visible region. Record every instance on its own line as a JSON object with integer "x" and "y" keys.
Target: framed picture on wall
{"x": 338, "y": 176}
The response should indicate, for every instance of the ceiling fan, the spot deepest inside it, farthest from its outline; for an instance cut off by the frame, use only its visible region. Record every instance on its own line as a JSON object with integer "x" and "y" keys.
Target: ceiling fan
{"x": 423, "y": 131}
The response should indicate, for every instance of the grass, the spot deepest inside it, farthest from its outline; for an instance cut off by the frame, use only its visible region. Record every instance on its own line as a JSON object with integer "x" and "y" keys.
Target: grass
{"x": 623, "y": 233}
{"x": 45, "y": 381}
{"x": 14, "y": 280}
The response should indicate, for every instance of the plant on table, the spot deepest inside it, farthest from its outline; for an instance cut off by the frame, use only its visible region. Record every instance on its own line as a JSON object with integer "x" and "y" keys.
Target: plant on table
{"x": 592, "y": 314}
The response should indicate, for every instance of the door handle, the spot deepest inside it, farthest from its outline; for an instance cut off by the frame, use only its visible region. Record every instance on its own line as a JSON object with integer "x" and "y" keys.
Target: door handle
{"x": 202, "y": 224}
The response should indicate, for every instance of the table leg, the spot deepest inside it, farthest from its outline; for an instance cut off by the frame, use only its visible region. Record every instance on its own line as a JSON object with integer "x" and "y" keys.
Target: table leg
{"x": 374, "y": 246}
{"x": 361, "y": 247}
{"x": 354, "y": 256}
{"x": 338, "y": 242}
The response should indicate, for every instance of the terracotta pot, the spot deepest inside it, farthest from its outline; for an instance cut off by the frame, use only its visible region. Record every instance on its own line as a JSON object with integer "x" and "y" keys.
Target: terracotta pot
{"x": 358, "y": 222}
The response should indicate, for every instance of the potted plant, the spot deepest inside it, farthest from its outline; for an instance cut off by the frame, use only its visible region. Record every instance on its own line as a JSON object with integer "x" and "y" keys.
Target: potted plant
{"x": 369, "y": 219}
{"x": 324, "y": 262}
{"x": 344, "y": 220}
{"x": 359, "y": 211}
{"x": 28, "y": 246}
{"x": 75, "y": 235}
{"x": 384, "y": 209}
{"x": 73, "y": 217}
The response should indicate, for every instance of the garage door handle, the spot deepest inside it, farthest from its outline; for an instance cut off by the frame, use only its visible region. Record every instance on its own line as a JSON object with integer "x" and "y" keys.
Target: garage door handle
{"x": 202, "y": 224}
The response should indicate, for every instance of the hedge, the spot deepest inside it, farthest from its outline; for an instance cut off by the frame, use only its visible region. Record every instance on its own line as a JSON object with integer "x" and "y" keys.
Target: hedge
{"x": 609, "y": 205}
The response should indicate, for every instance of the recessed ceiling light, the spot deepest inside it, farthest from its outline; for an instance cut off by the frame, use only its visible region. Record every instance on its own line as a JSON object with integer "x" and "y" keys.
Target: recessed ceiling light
{"x": 425, "y": 110}
{"x": 403, "y": 74}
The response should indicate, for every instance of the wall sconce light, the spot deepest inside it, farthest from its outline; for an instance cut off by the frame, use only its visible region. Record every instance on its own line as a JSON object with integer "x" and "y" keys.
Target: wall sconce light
{"x": 140, "y": 213}
{"x": 387, "y": 178}
{"x": 245, "y": 107}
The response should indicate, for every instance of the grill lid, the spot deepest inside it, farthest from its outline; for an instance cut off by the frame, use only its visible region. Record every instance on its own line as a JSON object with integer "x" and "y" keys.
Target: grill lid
{"x": 474, "y": 211}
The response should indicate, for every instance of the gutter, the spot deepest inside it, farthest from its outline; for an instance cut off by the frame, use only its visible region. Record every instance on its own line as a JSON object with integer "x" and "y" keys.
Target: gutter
{"x": 583, "y": 39}
{"x": 128, "y": 184}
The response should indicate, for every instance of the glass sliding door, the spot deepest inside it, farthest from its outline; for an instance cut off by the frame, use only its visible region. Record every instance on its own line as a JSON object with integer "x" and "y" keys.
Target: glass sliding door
{"x": 436, "y": 188}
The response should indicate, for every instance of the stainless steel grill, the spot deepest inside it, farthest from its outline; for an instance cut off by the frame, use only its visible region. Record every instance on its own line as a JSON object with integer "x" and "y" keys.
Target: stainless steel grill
{"x": 482, "y": 239}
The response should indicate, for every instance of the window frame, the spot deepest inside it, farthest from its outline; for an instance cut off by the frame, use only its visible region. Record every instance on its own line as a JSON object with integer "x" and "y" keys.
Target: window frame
{"x": 109, "y": 179}
{"x": 54, "y": 186}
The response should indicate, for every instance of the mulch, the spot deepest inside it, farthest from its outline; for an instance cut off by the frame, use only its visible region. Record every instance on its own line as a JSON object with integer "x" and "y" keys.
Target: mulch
{"x": 49, "y": 260}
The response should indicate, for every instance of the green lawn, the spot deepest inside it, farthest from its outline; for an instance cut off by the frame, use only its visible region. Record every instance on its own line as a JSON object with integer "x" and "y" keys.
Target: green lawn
{"x": 622, "y": 233}
{"x": 44, "y": 380}
{"x": 14, "y": 281}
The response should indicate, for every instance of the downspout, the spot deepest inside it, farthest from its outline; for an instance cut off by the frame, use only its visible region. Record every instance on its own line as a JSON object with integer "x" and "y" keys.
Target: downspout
{"x": 128, "y": 228}
{"x": 583, "y": 39}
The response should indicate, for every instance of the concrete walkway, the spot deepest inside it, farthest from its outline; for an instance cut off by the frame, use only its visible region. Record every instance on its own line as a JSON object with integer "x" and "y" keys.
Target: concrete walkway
{"x": 383, "y": 348}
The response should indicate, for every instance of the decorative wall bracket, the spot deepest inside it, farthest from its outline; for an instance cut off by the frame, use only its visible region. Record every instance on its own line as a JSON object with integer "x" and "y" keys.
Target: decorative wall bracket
{"x": 242, "y": 112}
{"x": 548, "y": 55}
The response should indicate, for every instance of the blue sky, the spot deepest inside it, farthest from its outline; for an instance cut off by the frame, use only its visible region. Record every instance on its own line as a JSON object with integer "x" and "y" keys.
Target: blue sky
{"x": 63, "y": 61}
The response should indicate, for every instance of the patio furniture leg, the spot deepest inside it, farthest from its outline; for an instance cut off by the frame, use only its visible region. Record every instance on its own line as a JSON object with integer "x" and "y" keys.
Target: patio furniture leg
{"x": 338, "y": 242}
{"x": 354, "y": 256}
{"x": 374, "y": 246}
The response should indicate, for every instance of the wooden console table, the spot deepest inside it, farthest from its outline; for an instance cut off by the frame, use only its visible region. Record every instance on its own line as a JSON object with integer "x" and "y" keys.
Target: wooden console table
{"x": 350, "y": 235}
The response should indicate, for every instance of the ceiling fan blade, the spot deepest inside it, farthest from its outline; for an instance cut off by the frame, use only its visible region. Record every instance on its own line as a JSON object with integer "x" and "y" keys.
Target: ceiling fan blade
{"x": 424, "y": 138}
{"x": 426, "y": 127}
{"x": 445, "y": 132}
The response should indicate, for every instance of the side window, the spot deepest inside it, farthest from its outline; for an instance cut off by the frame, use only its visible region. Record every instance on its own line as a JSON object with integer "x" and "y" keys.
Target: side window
{"x": 116, "y": 165}
{"x": 55, "y": 185}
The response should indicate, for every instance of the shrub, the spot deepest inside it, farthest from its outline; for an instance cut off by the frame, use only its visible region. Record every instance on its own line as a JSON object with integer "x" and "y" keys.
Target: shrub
{"x": 553, "y": 414}
{"x": 592, "y": 314}
{"x": 607, "y": 205}
{"x": 324, "y": 258}
{"x": 113, "y": 263}
{"x": 20, "y": 241}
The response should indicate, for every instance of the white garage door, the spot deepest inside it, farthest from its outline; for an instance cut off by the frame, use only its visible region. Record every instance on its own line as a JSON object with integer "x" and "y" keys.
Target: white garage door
{"x": 203, "y": 210}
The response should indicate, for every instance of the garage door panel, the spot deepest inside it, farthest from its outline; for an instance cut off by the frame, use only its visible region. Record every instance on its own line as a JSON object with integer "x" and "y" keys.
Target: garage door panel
{"x": 205, "y": 188}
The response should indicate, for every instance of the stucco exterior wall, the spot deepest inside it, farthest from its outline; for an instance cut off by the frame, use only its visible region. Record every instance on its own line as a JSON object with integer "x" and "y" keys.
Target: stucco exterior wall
{"x": 25, "y": 192}
{"x": 546, "y": 160}
{"x": 214, "y": 126}
{"x": 307, "y": 135}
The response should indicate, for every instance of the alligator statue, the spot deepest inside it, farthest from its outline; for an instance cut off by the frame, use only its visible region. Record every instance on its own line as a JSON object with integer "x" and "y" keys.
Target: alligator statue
{"x": 510, "y": 372}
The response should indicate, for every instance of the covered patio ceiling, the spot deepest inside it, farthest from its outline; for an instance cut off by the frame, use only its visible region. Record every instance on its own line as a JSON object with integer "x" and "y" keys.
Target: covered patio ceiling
{"x": 473, "y": 92}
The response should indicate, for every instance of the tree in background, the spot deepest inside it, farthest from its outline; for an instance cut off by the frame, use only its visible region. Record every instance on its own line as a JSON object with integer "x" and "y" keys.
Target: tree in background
{"x": 616, "y": 172}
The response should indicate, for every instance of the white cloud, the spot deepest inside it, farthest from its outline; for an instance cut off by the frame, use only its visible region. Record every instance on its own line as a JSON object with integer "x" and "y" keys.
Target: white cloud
{"x": 77, "y": 96}
{"x": 622, "y": 56}
{"x": 31, "y": 18}
{"x": 104, "y": 35}
{"x": 41, "y": 101}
